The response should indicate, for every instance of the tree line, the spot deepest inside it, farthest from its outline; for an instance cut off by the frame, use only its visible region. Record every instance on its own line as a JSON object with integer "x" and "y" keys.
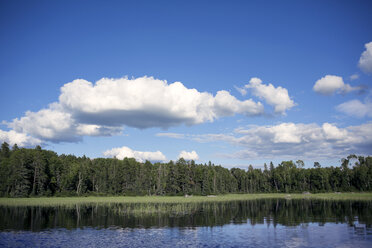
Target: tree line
{"x": 38, "y": 172}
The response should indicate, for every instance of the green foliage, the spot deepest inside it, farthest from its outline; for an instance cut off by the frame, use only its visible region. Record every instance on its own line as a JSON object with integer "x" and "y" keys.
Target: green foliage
{"x": 38, "y": 172}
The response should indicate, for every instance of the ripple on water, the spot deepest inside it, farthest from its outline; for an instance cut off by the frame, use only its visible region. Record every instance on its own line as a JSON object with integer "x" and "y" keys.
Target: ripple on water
{"x": 231, "y": 235}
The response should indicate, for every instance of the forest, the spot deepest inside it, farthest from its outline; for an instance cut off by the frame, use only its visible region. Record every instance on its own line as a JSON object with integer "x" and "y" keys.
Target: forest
{"x": 36, "y": 172}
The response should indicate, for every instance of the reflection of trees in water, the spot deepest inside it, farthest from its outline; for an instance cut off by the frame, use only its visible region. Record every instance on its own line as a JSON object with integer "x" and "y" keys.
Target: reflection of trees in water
{"x": 269, "y": 211}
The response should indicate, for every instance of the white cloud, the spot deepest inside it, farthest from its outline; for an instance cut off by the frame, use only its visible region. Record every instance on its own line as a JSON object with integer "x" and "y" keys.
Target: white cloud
{"x": 171, "y": 135}
{"x": 293, "y": 141}
{"x": 331, "y": 132}
{"x": 227, "y": 105}
{"x": 277, "y": 97}
{"x": 103, "y": 108}
{"x": 21, "y": 139}
{"x": 331, "y": 84}
{"x": 286, "y": 133}
{"x": 242, "y": 91}
{"x": 365, "y": 61}
{"x": 56, "y": 125}
{"x": 147, "y": 102}
{"x": 188, "y": 155}
{"x": 123, "y": 152}
{"x": 354, "y": 77}
{"x": 356, "y": 108}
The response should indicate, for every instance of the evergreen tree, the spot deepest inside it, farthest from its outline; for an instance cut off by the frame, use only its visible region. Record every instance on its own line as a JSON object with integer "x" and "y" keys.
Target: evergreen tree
{"x": 37, "y": 172}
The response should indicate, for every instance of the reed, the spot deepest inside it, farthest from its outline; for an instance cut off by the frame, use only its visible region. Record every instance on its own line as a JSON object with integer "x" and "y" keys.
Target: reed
{"x": 66, "y": 201}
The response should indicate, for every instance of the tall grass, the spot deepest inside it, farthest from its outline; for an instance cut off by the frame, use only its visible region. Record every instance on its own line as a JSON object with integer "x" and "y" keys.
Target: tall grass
{"x": 71, "y": 201}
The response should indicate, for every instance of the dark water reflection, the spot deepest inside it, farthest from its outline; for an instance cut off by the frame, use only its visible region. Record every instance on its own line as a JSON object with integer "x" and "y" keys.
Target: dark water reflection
{"x": 270, "y": 212}
{"x": 249, "y": 223}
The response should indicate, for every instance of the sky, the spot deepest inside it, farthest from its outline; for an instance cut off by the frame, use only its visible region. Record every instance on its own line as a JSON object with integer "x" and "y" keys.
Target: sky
{"x": 232, "y": 82}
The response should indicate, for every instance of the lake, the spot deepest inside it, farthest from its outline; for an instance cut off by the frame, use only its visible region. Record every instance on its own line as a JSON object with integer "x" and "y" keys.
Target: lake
{"x": 253, "y": 223}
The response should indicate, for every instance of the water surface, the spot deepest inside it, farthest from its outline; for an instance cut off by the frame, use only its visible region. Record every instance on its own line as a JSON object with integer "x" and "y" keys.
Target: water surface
{"x": 254, "y": 223}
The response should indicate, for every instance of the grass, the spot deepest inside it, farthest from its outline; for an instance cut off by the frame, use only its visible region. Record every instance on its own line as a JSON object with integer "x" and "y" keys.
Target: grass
{"x": 69, "y": 201}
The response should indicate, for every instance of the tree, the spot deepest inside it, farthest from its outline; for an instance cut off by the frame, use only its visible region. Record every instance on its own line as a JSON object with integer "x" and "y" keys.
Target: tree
{"x": 15, "y": 148}
{"x": 4, "y": 151}
{"x": 39, "y": 172}
{"x": 19, "y": 183}
{"x": 34, "y": 172}
{"x": 300, "y": 164}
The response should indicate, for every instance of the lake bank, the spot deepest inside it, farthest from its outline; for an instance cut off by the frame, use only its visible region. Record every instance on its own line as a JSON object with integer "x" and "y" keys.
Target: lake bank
{"x": 66, "y": 201}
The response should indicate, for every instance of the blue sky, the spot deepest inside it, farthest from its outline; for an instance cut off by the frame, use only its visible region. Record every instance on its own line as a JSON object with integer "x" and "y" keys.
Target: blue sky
{"x": 54, "y": 52}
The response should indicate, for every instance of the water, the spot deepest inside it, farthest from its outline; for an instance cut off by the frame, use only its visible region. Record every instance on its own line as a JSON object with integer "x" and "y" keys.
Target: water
{"x": 258, "y": 223}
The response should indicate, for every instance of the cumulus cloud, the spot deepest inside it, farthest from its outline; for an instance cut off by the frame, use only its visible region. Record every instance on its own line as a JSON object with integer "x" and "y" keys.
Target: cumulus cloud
{"x": 126, "y": 152}
{"x": 188, "y": 155}
{"x": 277, "y": 97}
{"x": 12, "y": 137}
{"x": 56, "y": 125}
{"x": 331, "y": 84}
{"x": 356, "y": 108}
{"x": 103, "y": 108}
{"x": 295, "y": 140}
{"x": 332, "y": 132}
{"x": 147, "y": 102}
{"x": 227, "y": 105}
{"x": 365, "y": 61}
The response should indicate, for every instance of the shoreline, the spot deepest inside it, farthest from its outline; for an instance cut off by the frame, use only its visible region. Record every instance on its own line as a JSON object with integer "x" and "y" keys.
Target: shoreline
{"x": 65, "y": 201}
